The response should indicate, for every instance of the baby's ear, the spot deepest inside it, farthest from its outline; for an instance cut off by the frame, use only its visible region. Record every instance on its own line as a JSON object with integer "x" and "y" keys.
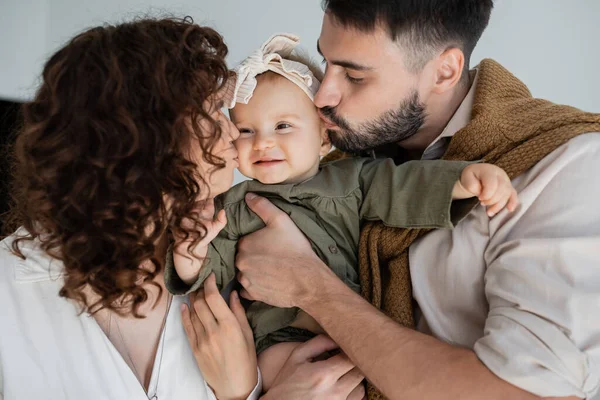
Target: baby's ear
{"x": 325, "y": 142}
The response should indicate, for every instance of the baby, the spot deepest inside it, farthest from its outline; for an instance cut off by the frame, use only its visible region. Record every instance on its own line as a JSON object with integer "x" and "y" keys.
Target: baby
{"x": 281, "y": 142}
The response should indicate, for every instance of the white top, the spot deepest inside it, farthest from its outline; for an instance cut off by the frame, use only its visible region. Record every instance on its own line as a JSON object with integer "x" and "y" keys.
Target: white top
{"x": 48, "y": 351}
{"x": 523, "y": 289}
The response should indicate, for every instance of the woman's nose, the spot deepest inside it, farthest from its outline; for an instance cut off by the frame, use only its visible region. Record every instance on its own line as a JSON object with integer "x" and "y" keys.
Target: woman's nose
{"x": 229, "y": 132}
{"x": 234, "y": 132}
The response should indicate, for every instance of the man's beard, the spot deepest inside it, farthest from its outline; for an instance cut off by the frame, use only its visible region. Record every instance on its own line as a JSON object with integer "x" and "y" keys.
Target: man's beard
{"x": 392, "y": 126}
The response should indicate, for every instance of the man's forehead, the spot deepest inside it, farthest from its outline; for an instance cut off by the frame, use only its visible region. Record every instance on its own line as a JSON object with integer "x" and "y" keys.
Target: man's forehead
{"x": 351, "y": 48}
{"x": 331, "y": 27}
{"x": 345, "y": 61}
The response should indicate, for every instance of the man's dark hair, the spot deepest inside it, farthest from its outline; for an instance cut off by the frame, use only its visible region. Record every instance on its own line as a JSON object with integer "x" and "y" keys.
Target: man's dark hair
{"x": 423, "y": 27}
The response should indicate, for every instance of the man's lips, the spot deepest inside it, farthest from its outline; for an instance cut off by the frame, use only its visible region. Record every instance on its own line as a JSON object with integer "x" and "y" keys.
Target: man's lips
{"x": 327, "y": 121}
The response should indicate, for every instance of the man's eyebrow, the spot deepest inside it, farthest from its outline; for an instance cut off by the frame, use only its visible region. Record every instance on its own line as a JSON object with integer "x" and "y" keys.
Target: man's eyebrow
{"x": 344, "y": 63}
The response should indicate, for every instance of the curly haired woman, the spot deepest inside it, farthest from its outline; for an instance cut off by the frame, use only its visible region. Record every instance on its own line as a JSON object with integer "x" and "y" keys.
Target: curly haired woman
{"x": 120, "y": 153}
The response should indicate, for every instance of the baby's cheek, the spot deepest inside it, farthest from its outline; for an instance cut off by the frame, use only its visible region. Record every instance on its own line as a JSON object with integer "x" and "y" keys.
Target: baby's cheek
{"x": 246, "y": 168}
{"x": 244, "y": 148}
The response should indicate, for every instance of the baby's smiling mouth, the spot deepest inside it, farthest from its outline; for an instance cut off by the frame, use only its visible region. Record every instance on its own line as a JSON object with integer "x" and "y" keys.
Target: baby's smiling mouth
{"x": 267, "y": 160}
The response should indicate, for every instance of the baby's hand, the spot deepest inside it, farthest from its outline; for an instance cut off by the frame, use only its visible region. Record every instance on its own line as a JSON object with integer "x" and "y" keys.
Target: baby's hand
{"x": 490, "y": 184}
{"x": 188, "y": 266}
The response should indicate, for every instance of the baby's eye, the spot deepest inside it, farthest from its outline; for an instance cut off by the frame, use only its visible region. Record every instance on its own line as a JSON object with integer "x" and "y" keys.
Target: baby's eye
{"x": 245, "y": 131}
{"x": 283, "y": 125}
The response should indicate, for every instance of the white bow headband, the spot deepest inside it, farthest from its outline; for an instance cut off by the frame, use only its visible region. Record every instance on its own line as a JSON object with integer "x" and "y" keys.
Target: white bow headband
{"x": 271, "y": 57}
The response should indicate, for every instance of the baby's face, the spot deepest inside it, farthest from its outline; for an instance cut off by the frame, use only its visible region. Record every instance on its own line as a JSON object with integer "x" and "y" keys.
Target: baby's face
{"x": 281, "y": 135}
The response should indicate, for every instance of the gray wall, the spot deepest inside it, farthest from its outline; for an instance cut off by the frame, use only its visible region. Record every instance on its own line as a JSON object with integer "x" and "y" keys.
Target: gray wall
{"x": 550, "y": 44}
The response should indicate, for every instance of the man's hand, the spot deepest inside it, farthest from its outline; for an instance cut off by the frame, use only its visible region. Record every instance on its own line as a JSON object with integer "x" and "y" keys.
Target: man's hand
{"x": 302, "y": 378}
{"x": 277, "y": 264}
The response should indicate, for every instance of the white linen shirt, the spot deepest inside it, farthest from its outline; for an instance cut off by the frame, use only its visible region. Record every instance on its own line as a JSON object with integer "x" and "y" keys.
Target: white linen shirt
{"x": 49, "y": 351}
{"x": 522, "y": 289}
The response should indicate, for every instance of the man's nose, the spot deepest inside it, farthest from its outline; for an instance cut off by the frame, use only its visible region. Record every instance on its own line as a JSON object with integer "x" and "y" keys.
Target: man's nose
{"x": 328, "y": 94}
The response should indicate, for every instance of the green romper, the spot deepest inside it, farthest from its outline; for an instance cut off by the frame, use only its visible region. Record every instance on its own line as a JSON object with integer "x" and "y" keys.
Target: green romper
{"x": 328, "y": 208}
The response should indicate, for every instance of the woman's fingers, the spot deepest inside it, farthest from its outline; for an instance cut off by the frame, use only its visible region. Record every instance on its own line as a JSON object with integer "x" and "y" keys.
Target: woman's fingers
{"x": 188, "y": 325}
{"x": 215, "y": 301}
{"x": 240, "y": 315}
{"x": 203, "y": 312}
{"x": 338, "y": 365}
{"x": 210, "y": 309}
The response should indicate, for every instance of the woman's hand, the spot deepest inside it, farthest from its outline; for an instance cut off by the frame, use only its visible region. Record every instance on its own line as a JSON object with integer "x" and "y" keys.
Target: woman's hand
{"x": 301, "y": 377}
{"x": 222, "y": 342}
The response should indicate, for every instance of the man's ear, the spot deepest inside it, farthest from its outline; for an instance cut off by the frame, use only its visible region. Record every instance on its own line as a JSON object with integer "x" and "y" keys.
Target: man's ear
{"x": 448, "y": 69}
{"x": 325, "y": 142}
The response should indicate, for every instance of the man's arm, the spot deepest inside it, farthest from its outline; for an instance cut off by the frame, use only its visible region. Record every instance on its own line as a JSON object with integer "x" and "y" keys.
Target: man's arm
{"x": 402, "y": 362}
{"x": 278, "y": 266}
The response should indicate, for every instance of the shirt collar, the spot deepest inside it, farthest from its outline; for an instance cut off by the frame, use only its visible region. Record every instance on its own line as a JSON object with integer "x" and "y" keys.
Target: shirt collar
{"x": 459, "y": 120}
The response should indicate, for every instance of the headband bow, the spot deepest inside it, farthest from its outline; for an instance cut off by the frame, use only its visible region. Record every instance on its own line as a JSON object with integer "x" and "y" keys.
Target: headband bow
{"x": 271, "y": 57}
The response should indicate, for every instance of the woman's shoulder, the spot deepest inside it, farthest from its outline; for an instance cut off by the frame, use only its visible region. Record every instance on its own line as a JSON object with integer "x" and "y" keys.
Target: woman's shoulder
{"x": 23, "y": 259}
{"x": 8, "y": 258}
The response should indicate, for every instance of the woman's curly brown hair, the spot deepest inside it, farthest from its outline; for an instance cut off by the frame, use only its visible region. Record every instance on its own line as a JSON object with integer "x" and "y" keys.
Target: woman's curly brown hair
{"x": 106, "y": 141}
